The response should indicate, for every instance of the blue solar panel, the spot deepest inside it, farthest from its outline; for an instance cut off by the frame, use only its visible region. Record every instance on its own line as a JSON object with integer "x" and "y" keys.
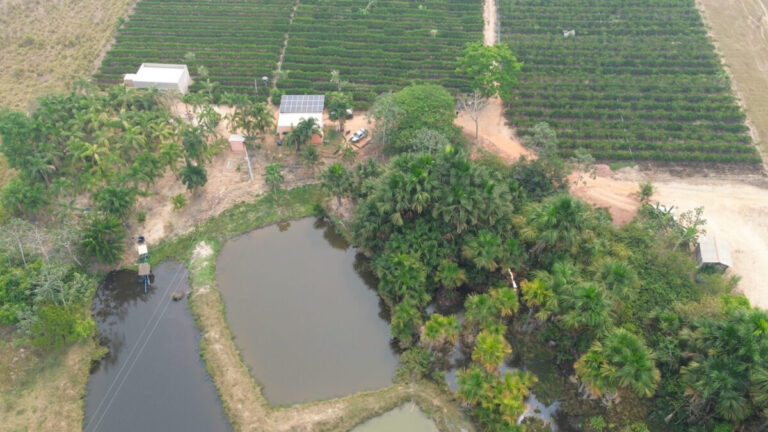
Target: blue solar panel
{"x": 302, "y": 104}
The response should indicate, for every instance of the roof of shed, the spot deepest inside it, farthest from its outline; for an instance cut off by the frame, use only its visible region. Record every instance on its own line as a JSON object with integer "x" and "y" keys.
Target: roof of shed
{"x": 715, "y": 250}
{"x": 291, "y": 104}
{"x": 160, "y": 73}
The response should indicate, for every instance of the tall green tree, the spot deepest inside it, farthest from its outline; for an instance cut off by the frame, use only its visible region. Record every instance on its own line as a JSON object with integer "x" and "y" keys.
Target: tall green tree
{"x": 494, "y": 69}
{"x": 440, "y": 330}
{"x": 338, "y": 104}
{"x": 490, "y": 350}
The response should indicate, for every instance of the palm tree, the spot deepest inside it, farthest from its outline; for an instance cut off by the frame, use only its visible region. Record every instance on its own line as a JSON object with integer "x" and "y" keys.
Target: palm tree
{"x": 618, "y": 276}
{"x": 479, "y": 311}
{"x": 490, "y": 350}
{"x": 193, "y": 176}
{"x": 473, "y": 385}
{"x": 484, "y": 250}
{"x": 450, "y": 275}
{"x": 303, "y": 132}
{"x": 561, "y": 223}
{"x": 406, "y": 320}
{"x": 312, "y": 158}
{"x": 401, "y": 275}
{"x": 441, "y": 330}
{"x": 588, "y": 309}
{"x": 103, "y": 238}
{"x": 620, "y": 361}
{"x": 505, "y": 301}
{"x": 273, "y": 176}
{"x": 540, "y": 299}
{"x": 337, "y": 180}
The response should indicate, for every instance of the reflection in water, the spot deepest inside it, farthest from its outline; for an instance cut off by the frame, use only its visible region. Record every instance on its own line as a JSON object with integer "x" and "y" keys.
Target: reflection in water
{"x": 153, "y": 377}
{"x": 305, "y": 321}
{"x": 406, "y": 418}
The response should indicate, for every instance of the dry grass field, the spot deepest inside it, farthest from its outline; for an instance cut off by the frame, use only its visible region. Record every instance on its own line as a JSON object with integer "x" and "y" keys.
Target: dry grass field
{"x": 740, "y": 32}
{"x": 45, "y": 44}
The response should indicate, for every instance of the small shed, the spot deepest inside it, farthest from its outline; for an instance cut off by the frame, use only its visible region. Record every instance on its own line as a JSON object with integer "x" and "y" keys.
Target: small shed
{"x": 237, "y": 143}
{"x": 295, "y": 108}
{"x": 714, "y": 253}
{"x": 161, "y": 76}
{"x": 142, "y": 250}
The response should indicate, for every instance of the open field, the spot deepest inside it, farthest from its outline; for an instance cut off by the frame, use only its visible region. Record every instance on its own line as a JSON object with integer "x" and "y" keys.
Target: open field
{"x": 639, "y": 80}
{"x": 740, "y": 29}
{"x": 378, "y": 48}
{"x": 45, "y": 44}
{"x": 236, "y": 41}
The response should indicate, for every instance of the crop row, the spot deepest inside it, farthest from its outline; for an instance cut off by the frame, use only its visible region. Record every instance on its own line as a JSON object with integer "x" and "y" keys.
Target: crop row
{"x": 236, "y": 41}
{"x": 639, "y": 80}
{"x": 385, "y": 47}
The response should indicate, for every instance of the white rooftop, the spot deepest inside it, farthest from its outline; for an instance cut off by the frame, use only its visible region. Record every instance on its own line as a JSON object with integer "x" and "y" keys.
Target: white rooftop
{"x": 236, "y": 137}
{"x": 715, "y": 251}
{"x": 161, "y": 73}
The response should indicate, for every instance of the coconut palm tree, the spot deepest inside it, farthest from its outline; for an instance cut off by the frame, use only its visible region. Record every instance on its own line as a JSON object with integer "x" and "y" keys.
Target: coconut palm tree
{"x": 490, "y": 350}
{"x": 303, "y": 132}
{"x": 193, "y": 176}
{"x": 273, "y": 176}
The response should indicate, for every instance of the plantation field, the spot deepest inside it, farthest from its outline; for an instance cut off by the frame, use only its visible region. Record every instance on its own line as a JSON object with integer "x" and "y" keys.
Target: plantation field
{"x": 639, "y": 81}
{"x": 385, "y": 47}
{"x": 236, "y": 41}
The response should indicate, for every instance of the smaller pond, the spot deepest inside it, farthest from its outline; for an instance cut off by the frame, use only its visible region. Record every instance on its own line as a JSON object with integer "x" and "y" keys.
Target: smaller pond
{"x": 153, "y": 378}
{"x": 406, "y": 418}
{"x": 304, "y": 314}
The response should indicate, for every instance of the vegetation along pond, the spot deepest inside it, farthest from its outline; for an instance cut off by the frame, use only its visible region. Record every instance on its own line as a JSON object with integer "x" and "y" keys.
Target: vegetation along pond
{"x": 305, "y": 317}
{"x": 407, "y": 417}
{"x": 153, "y": 377}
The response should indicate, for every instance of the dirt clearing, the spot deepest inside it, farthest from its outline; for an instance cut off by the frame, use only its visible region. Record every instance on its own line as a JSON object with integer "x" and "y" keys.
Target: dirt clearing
{"x": 734, "y": 210}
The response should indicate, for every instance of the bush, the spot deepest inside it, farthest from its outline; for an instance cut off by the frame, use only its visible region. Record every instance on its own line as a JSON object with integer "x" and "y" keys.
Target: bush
{"x": 104, "y": 238}
{"x": 178, "y": 201}
{"x": 56, "y": 325}
{"x": 141, "y": 217}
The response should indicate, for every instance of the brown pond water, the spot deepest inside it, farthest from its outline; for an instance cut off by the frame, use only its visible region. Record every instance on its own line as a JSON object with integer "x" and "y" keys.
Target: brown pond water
{"x": 406, "y": 418}
{"x": 153, "y": 378}
{"x": 304, "y": 315}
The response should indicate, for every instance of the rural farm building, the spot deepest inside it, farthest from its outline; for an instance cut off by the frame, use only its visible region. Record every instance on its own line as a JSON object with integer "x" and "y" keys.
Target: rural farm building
{"x": 712, "y": 252}
{"x": 295, "y": 108}
{"x": 160, "y": 76}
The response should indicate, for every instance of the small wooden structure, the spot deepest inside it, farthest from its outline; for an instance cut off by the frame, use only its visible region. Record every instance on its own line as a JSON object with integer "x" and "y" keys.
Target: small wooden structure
{"x": 713, "y": 253}
{"x": 144, "y": 269}
{"x": 237, "y": 143}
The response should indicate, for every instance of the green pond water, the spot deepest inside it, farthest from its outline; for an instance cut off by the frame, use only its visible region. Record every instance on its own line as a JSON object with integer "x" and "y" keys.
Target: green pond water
{"x": 406, "y": 418}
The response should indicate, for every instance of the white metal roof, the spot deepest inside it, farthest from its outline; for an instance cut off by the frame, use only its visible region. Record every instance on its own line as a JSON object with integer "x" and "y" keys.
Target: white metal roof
{"x": 302, "y": 104}
{"x": 161, "y": 73}
{"x": 715, "y": 250}
{"x": 236, "y": 137}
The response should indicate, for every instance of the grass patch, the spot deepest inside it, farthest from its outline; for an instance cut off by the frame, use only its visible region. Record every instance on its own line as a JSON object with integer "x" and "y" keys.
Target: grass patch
{"x": 43, "y": 390}
{"x": 272, "y": 208}
{"x": 615, "y": 166}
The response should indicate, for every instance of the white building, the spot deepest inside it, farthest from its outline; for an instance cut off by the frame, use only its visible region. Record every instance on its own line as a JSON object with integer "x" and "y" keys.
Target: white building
{"x": 160, "y": 76}
{"x": 295, "y": 108}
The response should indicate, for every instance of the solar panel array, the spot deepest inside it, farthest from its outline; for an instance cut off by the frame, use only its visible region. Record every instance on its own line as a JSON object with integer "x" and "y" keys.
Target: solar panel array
{"x": 302, "y": 104}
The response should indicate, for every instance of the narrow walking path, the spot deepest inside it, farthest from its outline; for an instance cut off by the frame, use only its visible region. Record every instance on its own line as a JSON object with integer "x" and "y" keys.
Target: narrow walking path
{"x": 279, "y": 67}
{"x": 496, "y": 136}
